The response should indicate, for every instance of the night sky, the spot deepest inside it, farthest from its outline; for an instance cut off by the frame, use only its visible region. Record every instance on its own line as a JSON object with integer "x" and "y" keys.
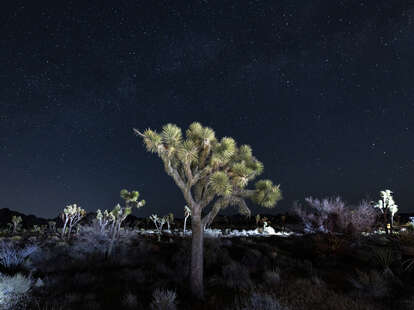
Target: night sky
{"x": 321, "y": 90}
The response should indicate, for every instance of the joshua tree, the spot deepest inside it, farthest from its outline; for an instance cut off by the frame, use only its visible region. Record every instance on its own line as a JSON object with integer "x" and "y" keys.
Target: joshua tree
{"x": 169, "y": 218}
{"x": 119, "y": 214}
{"x": 257, "y": 219}
{"x": 104, "y": 219}
{"x": 387, "y": 206}
{"x": 159, "y": 223}
{"x": 210, "y": 173}
{"x": 187, "y": 213}
{"x": 16, "y": 221}
{"x": 52, "y": 226}
{"x": 71, "y": 215}
{"x": 154, "y": 218}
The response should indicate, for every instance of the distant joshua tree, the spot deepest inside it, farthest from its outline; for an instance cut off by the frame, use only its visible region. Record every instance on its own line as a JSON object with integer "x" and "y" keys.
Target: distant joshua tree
{"x": 170, "y": 220}
{"x": 257, "y": 219}
{"x": 118, "y": 215}
{"x": 209, "y": 172}
{"x": 71, "y": 215}
{"x": 16, "y": 221}
{"x": 387, "y": 207}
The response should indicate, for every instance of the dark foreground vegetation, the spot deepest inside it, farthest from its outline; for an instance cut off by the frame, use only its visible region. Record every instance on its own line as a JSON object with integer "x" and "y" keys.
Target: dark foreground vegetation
{"x": 311, "y": 271}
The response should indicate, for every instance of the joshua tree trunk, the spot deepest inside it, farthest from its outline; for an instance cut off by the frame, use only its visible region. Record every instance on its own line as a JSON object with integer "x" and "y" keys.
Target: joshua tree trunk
{"x": 185, "y": 222}
{"x": 64, "y": 229}
{"x": 385, "y": 222}
{"x": 196, "y": 277}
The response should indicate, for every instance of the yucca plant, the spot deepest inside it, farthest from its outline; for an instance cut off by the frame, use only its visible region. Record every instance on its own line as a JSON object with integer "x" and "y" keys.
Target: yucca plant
{"x": 210, "y": 173}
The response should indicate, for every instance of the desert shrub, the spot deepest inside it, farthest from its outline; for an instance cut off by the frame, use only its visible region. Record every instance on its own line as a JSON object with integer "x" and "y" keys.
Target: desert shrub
{"x": 372, "y": 283}
{"x": 259, "y": 301}
{"x": 363, "y": 217}
{"x": 50, "y": 258}
{"x": 251, "y": 257}
{"x": 90, "y": 242}
{"x": 332, "y": 215}
{"x": 320, "y": 214}
{"x": 304, "y": 294}
{"x": 163, "y": 299}
{"x": 181, "y": 260}
{"x": 383, "y": 257}
{"x": 13, "y": 290}
{"x": 236, "y": 276}
{"x": 11, "y": 256}
{"x": 271, "y": 277}
{"x": 343, "y": 302}
{"x": 130, "y": 301}
{"x": 211, "y": 251}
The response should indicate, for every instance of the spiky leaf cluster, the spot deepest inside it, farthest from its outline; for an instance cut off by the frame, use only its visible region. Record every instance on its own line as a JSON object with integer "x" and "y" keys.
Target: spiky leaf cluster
{"x": 266, "y": 194}
{"x": 131, "y": 198}
{"x": 74, "y": 211}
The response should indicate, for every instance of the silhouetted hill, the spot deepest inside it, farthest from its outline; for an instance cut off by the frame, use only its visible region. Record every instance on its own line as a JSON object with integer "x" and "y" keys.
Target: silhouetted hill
{"x": 28, "y": 220}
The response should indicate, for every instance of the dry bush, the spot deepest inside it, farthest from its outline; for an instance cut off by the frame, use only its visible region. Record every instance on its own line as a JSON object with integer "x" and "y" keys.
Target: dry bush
{"x": 12, "y": 256}
{"x": 363, "y": 217}
{"x": 13, "y": 290}
{"x": 259, "y": 301}
{"x": 332, "y": 215}
{"x": 304, "y": 294}
{"x": 163, "y": 299}
{"x": 271, "y": 278}
{"x": 251, "y": 257}
{"x": 130, "y": 301}
{"x": 371, "y": 284}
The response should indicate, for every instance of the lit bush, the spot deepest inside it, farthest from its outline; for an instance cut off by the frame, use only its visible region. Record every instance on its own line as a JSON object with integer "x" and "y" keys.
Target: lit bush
{"x": 13, "y": 289}
{"x": 12, "y": 256}
{"x": 332, "y": 215}
{"x": 363, "y": 217}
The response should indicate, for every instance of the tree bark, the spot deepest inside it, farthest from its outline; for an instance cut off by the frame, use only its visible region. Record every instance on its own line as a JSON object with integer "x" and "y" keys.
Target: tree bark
{"x": 196, "y": 276}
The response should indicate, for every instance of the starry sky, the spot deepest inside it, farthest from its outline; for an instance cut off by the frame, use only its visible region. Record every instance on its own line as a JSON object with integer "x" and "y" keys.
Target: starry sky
{"x": 322, "y": 90}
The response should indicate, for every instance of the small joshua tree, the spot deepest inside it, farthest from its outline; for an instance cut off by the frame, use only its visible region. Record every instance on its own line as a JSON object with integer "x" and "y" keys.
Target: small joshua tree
{"x": 71, "y": 215}
{"x": 52, "y": 226}
{"x": 154, "y": 218}
{"x": 210, "y": 173}
{"x": 187, "y": 213}
{"x": 16, "y": 221}
{"x": 104, "y": 219}
{"x": 36, "y": 229}
{"x": 159, "y": 223}
{"x": 169, "y": 218}
{"x": 257, "y": 219}
{"x": 119, "y": 214}
{"x": 387, "y": 206}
